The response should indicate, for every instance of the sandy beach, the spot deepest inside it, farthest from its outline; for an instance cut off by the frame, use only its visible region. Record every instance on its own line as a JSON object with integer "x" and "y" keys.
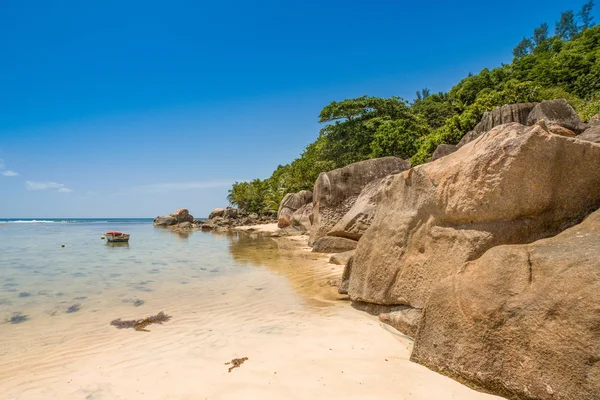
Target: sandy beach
{"x": 302, "y": 341}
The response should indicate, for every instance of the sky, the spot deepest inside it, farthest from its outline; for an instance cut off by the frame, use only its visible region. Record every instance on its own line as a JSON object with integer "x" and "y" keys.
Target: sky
{"x": 137, "y": 108}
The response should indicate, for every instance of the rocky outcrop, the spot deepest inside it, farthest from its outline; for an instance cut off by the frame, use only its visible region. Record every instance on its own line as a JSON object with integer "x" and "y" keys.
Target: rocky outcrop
{"x": 291, "y": 203}
{"x": 523, "y": 320}
{"x": 500, "y": 115}
{"x": 336, "y": 191}
{"x": 591, "y": 135}
{"x": 356, "y": 221}
{"x": 331, "y": 244}
{"x": 302, "y": 218}
{"x": 557, "y": 111}
{"x": 217, "y": 212}
{"x": 512, "y": 185}
{"x": 443, "y": 150}
{"x": 177, "y": 217}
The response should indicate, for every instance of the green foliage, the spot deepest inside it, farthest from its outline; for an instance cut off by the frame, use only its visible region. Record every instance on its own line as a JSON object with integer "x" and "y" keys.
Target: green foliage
{"x": 585, "y": 15}
{"x": 524, "y": 47}
{"x": 564, "y": 66}
{"x": 566, "y": 27}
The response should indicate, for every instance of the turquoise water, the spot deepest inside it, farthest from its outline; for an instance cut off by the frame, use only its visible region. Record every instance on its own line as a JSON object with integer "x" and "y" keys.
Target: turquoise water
{"x": 39, "y": 278}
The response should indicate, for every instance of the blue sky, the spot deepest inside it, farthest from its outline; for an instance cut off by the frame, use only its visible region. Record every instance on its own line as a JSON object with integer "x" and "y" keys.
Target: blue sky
{"x": 136, "y": 108}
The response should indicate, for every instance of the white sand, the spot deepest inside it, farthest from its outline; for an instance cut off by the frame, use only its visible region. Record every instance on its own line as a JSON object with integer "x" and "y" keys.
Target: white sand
{"x": 302, "y": 342}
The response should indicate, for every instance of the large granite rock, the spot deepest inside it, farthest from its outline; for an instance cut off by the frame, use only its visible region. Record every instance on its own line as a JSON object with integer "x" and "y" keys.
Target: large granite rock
{"x": 512, "y": 185}
{"x": 165, "y": 220}
{"x": 356, "y": 221}
{"x": 591, "y": 135}
{"x": 291, "y": 203}
{"x": 559, "y": 112}
{"x": 336, "y": 191}
{"x": 500, "y": 115}
{"x": 443, "y": 150}
{"x": 523, "y": 320}
{"x": 302, "y": 217}
{"x": 182, "y": 215}
{"x": 217, "y": 212}
{"x": 176, "y": 217}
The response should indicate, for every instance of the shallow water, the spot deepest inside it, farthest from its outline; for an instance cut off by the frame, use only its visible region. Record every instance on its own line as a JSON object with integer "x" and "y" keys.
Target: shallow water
{"x": 230, "y": 296}
{"x": 41, "y": 279}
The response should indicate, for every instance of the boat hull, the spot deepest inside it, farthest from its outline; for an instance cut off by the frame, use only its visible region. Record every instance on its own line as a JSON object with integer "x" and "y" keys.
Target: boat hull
{"x": 123, "y": 238}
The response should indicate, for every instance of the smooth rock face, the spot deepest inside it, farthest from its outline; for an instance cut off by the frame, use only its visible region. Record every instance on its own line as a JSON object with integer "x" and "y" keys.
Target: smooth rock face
{"x": 512, "y": 185}
{"x": 336, "y": 191}
{"x": 356, "y": 221}
{"x": 591, "y": 135}
{"x": 500, "y": 115}
{"x": 330, "y": 244}
{"x": 559, "y": 112}
{"x": 404, "y": 318}
{"x": 341, "y": 258}
{"x": 302, "y": 217}
{"x": 217, "y": 212}
{"x": 523, "y": 320}
{"x": 291, "y": 203}
{"x": 443, "y": 150}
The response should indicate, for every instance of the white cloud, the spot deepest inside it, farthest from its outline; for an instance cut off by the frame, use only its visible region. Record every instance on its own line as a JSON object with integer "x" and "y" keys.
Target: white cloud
{"x": 178, "y": 186}
{"x": 47, "y": 185}
{"x": 9, "y": 173}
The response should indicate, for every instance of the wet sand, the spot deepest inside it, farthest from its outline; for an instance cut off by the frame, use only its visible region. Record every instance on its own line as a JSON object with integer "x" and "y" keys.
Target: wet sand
{"x": 302, "y": 340}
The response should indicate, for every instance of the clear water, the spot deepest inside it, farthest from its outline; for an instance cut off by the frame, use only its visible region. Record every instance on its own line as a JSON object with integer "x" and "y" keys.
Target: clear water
{"x": 39, "y": 278}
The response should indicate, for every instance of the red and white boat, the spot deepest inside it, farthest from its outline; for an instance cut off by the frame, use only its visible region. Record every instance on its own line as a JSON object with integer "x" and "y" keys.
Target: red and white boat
{"x": 114, "y": 236}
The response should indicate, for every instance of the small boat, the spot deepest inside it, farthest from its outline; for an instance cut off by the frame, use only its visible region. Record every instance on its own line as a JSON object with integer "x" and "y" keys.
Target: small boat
{"x": 118, "y": 237}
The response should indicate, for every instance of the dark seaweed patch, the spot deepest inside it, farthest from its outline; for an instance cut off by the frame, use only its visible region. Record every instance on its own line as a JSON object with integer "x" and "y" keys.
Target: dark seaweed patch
{"x": 18, "y": 318}
{"x": 74, "y": 308}
{"x": 141, "y": 324}
{"x": 24, "y": 294}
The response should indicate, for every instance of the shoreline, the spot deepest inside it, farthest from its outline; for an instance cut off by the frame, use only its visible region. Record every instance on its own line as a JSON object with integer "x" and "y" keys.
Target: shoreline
{"x": 301, "y": 337}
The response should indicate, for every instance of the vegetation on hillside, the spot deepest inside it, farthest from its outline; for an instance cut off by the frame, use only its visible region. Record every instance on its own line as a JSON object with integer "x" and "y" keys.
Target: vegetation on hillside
{"x": 565, "y": 65}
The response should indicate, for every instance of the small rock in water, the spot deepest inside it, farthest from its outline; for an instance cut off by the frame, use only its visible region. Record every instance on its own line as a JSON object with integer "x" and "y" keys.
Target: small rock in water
{"x": 24, "y": 294}
{"x": 17, "y": 318}
{"x": 138, "y": 302}
{"x": 74, "y": 308}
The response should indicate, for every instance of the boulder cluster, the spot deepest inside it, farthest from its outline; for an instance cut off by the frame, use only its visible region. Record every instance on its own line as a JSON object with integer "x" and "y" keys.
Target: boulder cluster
{"x": 219, "y": 219}
{"x": 488, "y": 256}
